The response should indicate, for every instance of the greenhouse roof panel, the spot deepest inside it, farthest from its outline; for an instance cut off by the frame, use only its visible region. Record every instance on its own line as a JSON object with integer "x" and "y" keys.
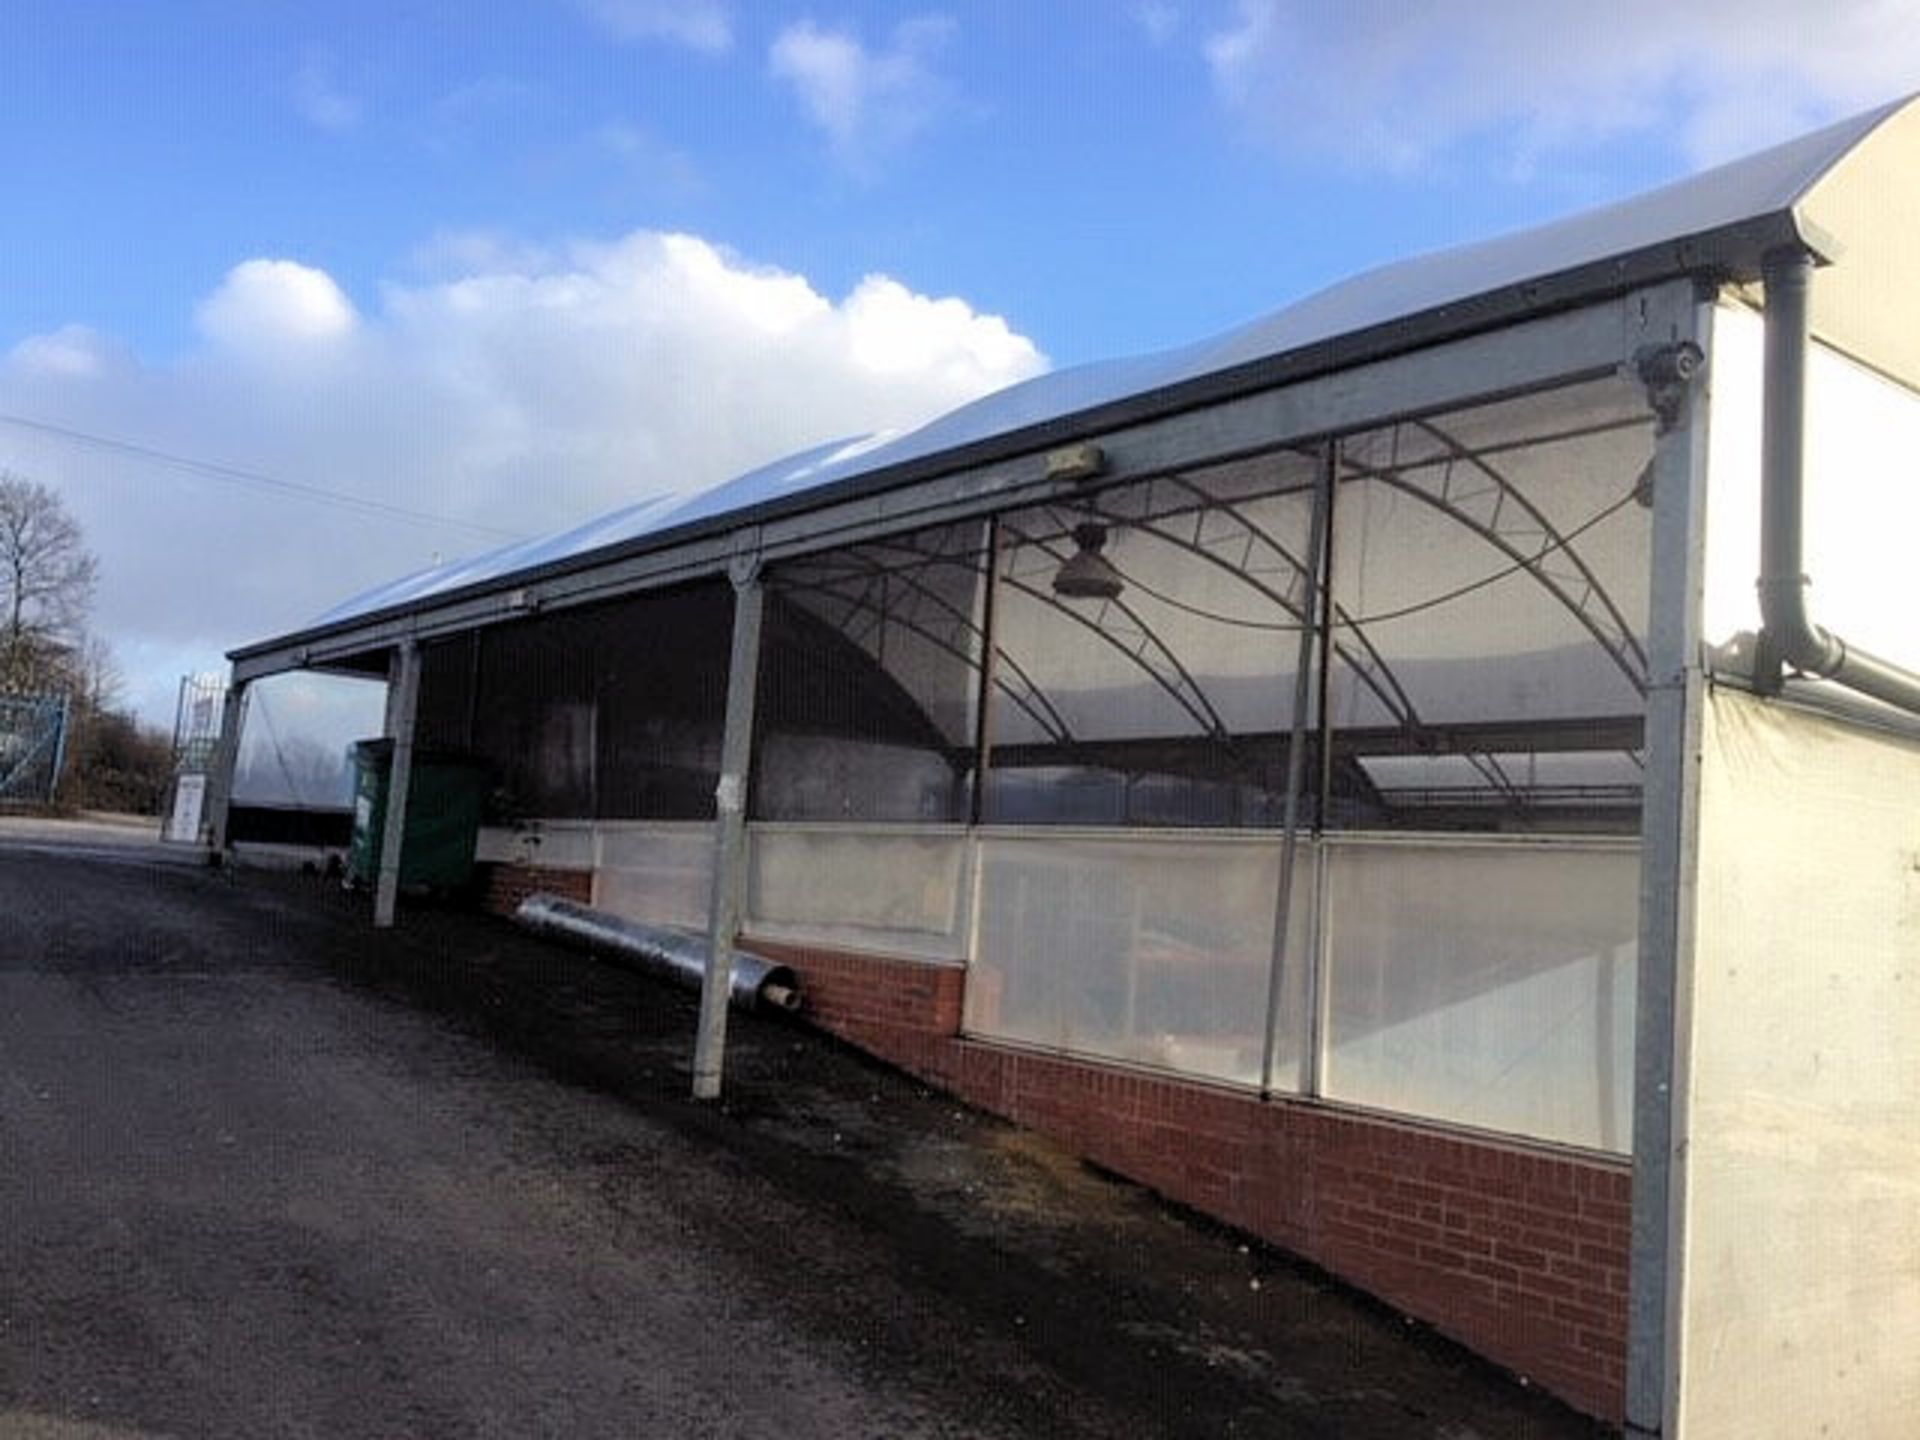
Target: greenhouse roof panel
{"x": 1666, "y": 223}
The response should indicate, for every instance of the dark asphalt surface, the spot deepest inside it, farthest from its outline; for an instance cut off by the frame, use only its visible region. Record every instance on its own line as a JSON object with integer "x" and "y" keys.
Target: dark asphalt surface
{"x": 264, "y": 1173}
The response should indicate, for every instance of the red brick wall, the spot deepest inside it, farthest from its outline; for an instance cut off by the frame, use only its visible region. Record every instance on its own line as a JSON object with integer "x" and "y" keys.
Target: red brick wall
{"x": 508, "y": 885}
{"x": 1517, "y": 1251}
{"x": 876, "y": 1003}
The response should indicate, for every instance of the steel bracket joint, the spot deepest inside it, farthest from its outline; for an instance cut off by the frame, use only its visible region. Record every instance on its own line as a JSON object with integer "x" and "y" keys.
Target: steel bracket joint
{"x": 1669, "y": 373}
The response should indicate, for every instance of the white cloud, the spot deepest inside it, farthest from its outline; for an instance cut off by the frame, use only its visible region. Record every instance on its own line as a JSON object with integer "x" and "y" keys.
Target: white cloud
{"x": 890, "y": 330}
{"x": 447, "y": 254}
{"x": 522, "y": 389}
{"x": 704, "y": 25}
{"x": 470, "y": 110}
{"x": 318, "y": 96}
{"x": 1392, "y": 86}
{"x": 73, "y": 352}
{"x": 646, "y": 160}
{"x": 868, "y": 102}
{"x": 275, "y": 304}
{"x": 1158, "y": 18}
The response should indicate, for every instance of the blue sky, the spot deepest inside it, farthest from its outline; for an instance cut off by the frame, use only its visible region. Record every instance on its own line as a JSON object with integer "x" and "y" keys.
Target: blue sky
{"x": 514, "y": 264}
{"x": 1041, "y": 161}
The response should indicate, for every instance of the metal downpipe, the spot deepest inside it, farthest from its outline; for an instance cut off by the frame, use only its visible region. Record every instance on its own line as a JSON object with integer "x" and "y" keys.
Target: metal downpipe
{"x": 1788, "y": 637}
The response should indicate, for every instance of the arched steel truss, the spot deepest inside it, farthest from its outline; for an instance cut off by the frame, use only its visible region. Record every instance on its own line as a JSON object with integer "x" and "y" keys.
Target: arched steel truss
{"x": 878, "y": 589}
{"x": 1356, "y": 651}
{"x": 925, "y": 612}
{"x": 1031, "y": 558}
{"x": 1472, "y": 492}
{"x": 1113, "y": 622}
{"x": 1248, "y": 552}
{"x": 880, "y": 584}
{"x": 889, "y": 697}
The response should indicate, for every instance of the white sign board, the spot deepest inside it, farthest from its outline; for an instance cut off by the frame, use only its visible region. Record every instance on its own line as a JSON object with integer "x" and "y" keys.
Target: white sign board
{"x": 189, "y": 799}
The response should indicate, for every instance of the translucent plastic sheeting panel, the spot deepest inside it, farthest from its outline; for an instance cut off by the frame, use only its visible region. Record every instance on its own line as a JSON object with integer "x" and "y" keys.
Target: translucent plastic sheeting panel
{"x": 1291, "y": 1017}
{"x": 662, "y": 875}
{"x": 294, "y": 740}
{"x": 443, "y": 711}
{"x": 552, "y": 844}
{"x": 1490, "y": 985}
{"x": 1800, "y": 1307}
{"x": 1167, "y": 697}
{"x": 870, "y": 680}
{"x": 1156, "y": 952}
{"x": 897, "y": 891}
{"x": 841, "y": 777}
{"x": 1490, "y": 576}
{"x": 608, "y": 711}
{"x": 1566, "y": 791}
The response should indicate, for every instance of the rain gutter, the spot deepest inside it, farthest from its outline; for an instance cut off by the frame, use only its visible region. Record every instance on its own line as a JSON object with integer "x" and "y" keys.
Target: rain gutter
{"x": 1788, "y": 636}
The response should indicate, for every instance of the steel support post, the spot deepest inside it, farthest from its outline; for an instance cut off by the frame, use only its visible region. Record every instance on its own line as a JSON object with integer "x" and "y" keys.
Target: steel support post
{"x": 729, "y": 833}
{"x": 1281, "y": 961}
{"x": 989, "y": 664}
{"x": 226, "y": 759}
{"x": 403, "y": 695}
{"x": 1668, "y": 860}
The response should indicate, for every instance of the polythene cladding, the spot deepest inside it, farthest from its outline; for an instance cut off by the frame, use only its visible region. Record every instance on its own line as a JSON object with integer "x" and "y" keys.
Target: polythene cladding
{"x": 1461, "y": 926}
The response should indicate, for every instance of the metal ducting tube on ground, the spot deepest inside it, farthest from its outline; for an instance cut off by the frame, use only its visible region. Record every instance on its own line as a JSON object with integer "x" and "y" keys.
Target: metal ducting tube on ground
{"x": 657, "y": 950}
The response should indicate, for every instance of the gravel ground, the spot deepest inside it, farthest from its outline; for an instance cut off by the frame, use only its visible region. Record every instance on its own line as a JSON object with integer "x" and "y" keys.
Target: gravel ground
{"x": 266, "y": 1173}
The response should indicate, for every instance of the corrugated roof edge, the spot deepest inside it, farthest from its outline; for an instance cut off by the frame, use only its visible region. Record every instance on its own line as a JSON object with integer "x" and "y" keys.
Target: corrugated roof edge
{"x": 1727, "y": 251}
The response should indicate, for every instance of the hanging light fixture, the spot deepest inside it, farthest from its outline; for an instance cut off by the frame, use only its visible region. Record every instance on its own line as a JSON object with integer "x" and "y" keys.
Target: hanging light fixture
{"x": 1087, "y": 574}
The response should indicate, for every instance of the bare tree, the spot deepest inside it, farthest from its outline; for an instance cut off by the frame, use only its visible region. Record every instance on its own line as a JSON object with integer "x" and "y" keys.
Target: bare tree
{"x": 46, "y": 589}
{"x": 46, "y": 586}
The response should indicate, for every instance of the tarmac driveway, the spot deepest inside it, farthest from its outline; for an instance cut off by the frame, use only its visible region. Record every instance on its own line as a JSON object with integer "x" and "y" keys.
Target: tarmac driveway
{"x": 266, "y": 1173}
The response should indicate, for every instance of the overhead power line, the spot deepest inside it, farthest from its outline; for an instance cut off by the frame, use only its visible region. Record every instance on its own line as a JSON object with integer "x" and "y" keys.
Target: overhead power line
{"x": 254, "y": 479}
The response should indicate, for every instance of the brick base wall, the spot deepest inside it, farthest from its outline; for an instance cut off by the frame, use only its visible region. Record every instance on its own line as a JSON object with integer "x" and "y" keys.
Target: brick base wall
{"x": 505, "y": 886}
{"x": 1519, "y": 1252}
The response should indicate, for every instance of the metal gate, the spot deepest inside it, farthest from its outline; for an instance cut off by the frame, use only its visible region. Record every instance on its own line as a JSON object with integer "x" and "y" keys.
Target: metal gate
{"x": 33, "y": 747}
{"x": 196, "y": 743}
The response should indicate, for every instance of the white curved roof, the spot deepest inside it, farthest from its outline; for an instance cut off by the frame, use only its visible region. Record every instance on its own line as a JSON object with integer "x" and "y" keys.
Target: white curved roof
{"x": 1770, "y": 184}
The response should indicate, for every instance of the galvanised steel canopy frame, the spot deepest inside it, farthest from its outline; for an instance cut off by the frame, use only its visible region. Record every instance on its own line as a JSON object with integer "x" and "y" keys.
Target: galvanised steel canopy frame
{"x": 1164, "y": 452}
{"x": 1607, "y": 337}
{"x": 1627, "y": 289}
